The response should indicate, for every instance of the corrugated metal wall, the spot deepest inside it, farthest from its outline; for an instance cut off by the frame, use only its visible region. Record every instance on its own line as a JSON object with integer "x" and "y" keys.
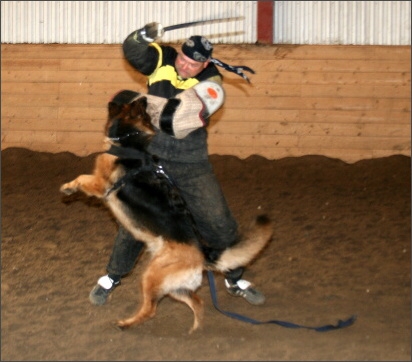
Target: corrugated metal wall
{"x": 342, "y": 22}
{"x": 295, "y": 22}
{"x": 109, "y": 22}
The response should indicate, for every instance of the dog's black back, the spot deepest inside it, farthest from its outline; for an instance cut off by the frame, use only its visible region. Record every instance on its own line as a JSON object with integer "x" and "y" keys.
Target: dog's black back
{"x": 156, "y": 205}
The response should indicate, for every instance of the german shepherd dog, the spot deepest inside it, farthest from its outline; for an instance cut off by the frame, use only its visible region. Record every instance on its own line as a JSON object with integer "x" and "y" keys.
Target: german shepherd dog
{"x": 144, "y": 200}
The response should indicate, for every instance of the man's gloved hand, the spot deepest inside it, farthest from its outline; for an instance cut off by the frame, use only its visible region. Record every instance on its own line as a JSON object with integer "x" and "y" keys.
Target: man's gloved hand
{"x": 151, "y": 32}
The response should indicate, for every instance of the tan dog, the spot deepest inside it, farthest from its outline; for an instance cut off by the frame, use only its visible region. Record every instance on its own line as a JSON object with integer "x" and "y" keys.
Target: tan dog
{"x": 146, "y": 204}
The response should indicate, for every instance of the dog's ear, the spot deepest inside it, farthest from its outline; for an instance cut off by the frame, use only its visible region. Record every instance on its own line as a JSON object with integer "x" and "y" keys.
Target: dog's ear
{"x": 114, "y": 109}
{"x": 143, "y": 102}
{"x": 138, "y": 107}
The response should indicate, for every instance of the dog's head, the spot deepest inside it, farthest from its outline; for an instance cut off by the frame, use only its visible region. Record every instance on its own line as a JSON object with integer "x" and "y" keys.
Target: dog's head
{"x": 129, "y": 125}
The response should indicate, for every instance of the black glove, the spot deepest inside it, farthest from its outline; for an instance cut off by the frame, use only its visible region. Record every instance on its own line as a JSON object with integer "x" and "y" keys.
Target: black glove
{"x": 151, "y": 32}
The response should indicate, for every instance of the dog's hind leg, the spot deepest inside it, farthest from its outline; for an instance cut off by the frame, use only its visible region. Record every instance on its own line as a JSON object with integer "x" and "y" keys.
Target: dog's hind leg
{"x": 152, "y": 291}
{"x": 175, "y": 270}
{"x": 151, "y": 296}
{"x": 195, "y": 304}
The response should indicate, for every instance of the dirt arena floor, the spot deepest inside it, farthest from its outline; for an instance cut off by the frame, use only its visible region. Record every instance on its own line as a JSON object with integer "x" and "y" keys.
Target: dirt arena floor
{"x": 341, "y": 247}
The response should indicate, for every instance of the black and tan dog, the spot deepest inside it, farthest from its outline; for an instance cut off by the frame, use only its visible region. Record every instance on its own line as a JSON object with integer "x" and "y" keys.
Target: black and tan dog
{"x": 144, "y": 200}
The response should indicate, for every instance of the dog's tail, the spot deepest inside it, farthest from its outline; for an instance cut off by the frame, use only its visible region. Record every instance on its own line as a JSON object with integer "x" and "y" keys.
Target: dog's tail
{"x": 248, "y": 247}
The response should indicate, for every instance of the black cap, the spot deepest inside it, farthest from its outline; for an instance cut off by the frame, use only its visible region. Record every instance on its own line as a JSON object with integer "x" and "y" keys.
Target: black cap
{"x": 197, "y": 48}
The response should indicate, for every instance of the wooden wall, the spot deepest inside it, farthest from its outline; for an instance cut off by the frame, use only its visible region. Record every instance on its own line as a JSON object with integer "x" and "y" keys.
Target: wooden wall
{"x": 346, "y": 102}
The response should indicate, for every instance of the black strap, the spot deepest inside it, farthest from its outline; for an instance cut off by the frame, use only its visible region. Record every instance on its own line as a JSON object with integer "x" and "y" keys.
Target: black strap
{"x": 238, "y": 69}
{"x": 166, "y": 118}
{"x": 325, "y": 328}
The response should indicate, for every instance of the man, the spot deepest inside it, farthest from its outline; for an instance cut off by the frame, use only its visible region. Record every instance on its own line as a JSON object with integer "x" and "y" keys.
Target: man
{"x": 183, "y": 155}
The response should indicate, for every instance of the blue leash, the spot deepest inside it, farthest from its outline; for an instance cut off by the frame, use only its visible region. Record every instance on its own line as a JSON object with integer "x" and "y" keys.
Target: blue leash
{"x": 325, "y": 328}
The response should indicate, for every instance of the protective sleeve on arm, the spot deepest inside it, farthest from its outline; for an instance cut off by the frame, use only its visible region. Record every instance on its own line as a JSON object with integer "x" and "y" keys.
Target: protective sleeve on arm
{"x": 140, "y": 54}
{"x": 188, "y": 111}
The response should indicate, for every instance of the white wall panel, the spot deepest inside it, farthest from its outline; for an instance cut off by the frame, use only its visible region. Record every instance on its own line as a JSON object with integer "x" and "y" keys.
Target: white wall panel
{"x": 108, "y": 22}
{"x": 295, "y": 22}
{"x": 342, "y": 22}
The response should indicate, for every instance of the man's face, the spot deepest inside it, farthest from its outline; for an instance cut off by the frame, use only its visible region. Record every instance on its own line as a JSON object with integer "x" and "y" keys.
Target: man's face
{"x": 188, "y": 68}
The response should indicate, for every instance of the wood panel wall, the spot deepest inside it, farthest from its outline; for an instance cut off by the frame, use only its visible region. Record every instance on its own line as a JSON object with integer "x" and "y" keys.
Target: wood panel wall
{"x": 345, "y": 102}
